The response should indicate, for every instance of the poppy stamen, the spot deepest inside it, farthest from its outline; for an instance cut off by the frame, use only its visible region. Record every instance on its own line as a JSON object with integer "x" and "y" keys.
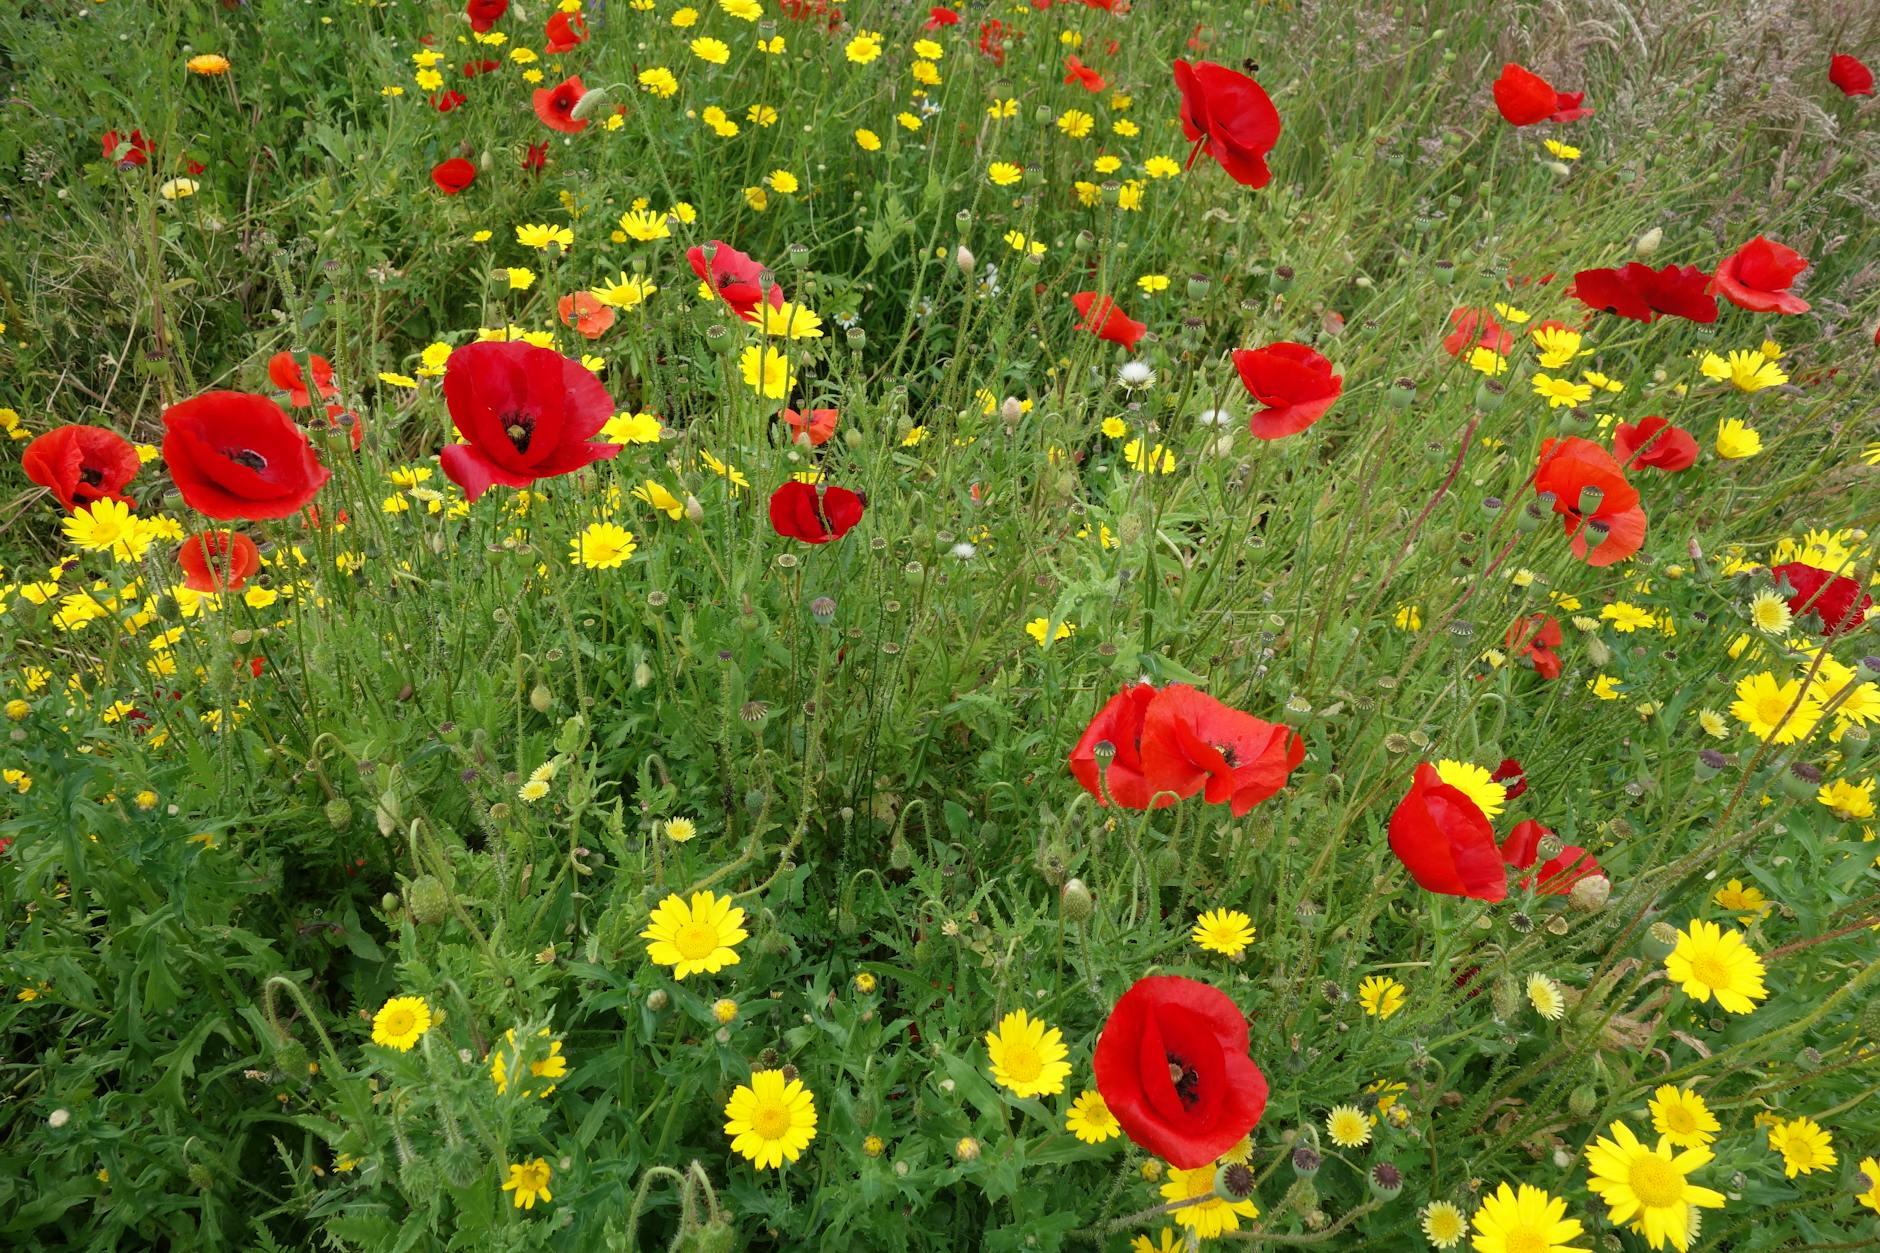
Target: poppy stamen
{"x": 1186, "y": 1080}
{"x": 90, "y": 477}
{"x": 246, "y": 457}
{"x": 520, "y": 428}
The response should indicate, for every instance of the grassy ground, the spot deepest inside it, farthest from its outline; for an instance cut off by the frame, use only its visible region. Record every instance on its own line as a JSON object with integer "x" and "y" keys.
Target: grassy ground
{"x": 451, "y": 750}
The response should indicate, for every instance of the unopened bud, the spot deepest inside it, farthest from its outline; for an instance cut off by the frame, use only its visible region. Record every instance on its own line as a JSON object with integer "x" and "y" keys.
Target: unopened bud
{"x": 694, "y": 511}
{"x": 966, "y": 1149}
{"x": 1582, "y": 1101}
{"x": 657, "y": 1000}
{"x": 964, "y": 259}
{"x": 1076, "y": 901}
{"x": 1591, "y": 893}
{"x": 1647, "y": 243}
{"x": 591, "y": 99}
{"x": 1011, "y": 409}
{"x": 541, "y": 699}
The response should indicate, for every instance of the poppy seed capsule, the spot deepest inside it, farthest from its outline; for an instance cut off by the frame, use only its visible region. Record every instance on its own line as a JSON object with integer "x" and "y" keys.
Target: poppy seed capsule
{"x": 1445, "y": 271}
{"x": 1591, "y": 893}
{"x": 1306, "y": 1160}
{"x": 1386, "y": 1181}
{"x": 1489, "y": 394}
{"x": 1280, "y": 280}
{"x": 1660, "y": 939}
{"x": 1590, "y": 498}
{"x": 1403, "y": 393}
{"x": 1801, "y": 780}
{"x": 1710, "y": 762}
{"x": 1854, "y": 741}
{"x": 1647, "y": 243}
{"x": 541, "y": 699}
{"x": 1233, "y": 1182}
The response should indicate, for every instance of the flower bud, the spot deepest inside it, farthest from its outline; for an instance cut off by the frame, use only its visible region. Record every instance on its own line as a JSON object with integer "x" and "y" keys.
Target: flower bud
{"x": 642, "y": 674}
{"x": 1590, "y": 893}
{"x": 1582, "y": 1101}
{"x": 1075, "y": 900}
{"x": 967, "y": 1149}
{"x": 657, "y": 1000}
{"x": 591, "y": 99}
{"x": 339, "y": 813}
{"x": 964, "y": 259}
{"x": 426, "y": 898}
{"x": 1597, "y": 651}
{"x": 1559, "y": 169}
{"x": 541, "y": 699}
{"x": 1647, "y": 244}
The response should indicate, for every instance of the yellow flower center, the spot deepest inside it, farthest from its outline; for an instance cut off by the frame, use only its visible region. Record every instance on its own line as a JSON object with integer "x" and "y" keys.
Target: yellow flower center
{"x": 1022, "y": 1063}
{"x": 397, "y": 1021}
{"x": 696, "y": 940}
{"x": 1656, "y": 1182}
{"x": 1525, "y": 1240}
{"x": 771, "y": 1122}
{"x": 1710, "y": 971}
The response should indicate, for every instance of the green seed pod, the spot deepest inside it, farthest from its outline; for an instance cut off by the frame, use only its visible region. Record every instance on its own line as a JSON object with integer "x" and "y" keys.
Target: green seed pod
{"x": 541, "y": 699}
{"x": 1505, "y": 994}
{"x": 1280, "y": 280}
{"x": 389, "y": 903}
{"x": 1582, "y": 1101}
{"x": 714, "y": 1236}
{"x": 428, "y": 901}
{"x": 1660, "y": 939}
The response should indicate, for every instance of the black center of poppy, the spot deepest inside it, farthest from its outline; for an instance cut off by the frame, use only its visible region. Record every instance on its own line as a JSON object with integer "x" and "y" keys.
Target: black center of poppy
{"x": 1228, "y": 755}
{"x": 246, "y": 457}
{"x": 520, "y": 427}
{"x": 1186, "y": 1080}
{"x": 90, "y": 477}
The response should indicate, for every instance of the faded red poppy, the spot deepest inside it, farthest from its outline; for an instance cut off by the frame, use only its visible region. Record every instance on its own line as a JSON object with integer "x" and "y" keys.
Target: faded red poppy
{"x": 586, "y": 314}
{"x": 238, "y": 455}
{"x": 137, "y": 154}
{"x": 738, "y": 280}
{"x": 1476, "y": 328}
{"x": 1444, "y": 840}
{"x": 1526, "y": 98}
{"x": 1511, "y": 775}
{"x": 1295, "y": 384}
{"x": 1192, "y": 742}
{"x": 992, "y": 40}
{"x": 525, "y": 413}
{"x": 938, "y": 17}
{"x": 285, "y": 373}
{"x": 218, "y": 561}
{"x": 80, "y": 464}
{"x": 815, "y": 425}
{"x": 1535, "y": 637}
{"x": 555, "y": 106}
{"x": 1172, "y": 1066}
{"x": 1834, "y": 598}
{"x": 1758, "y": 275}
{"x": 1850, "y": 74}
{"x": 1559, "y": 873}
{"x": 454, "y": 175}
{"x": 535, "y": 157}
{"x": 1231, "y": 117}
{"x": 1102, "y": 318}
{"x": 1636, "y": 291}
{"x": 484, "y": 14}
{"x": 1077, "y": 72}
{"x": 1654, "y": 442}
{"x": 1119, "y": 724}
{"x": 565, "y": 32}
{"x": 1600, "y": 510}
{"x": 814, "y": 513}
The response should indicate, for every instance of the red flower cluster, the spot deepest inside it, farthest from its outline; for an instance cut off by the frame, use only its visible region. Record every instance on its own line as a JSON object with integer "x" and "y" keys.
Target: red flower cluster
{"x": 484, "y": 14}
{"x": 137, "y": 154}
{"x": 1104, "y": 319}
{"x": 1476, "y": 328}
{"x": 1834, "y": 598}
{"x": 81, "y": 464}
{"x": 1172, "y": 1065}
{"x": 525, "y": 413}
{"x": 1525, "y": 98}
{"x": 1599, "y": 509}
{"x": 1167, "y": 745}
{"x": 285, "y": 373}
{"x": 1294, "y": 382}
{"x": 1446, "y": 843}
{"x": 1231, "y": 117}
{"x": 814, "y": 513}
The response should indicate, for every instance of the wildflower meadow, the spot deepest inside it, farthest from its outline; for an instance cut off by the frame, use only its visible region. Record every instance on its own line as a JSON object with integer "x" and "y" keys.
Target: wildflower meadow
{"x": 1116, "y": 625}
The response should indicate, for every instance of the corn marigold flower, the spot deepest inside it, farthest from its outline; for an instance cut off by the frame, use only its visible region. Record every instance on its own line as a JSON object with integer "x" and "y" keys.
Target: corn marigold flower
{"x": 1348, "y": 1127}
{"x": 1682, "y": 1118}
{"x": 602, "y": 546}
{"x": 1710, "y": 961}
{"x": 1804, "y": 1144}
{"x": 1526, "y": 1220}
{"x": 1650, "y": 1187}
{"x": 1444, "y": 1224}
{"x": 1224, "y": 931}
{"x": 1027, "y": 1056}
{"x": 771, "y": 1120}
{"x": 1090, "y": 1120}
{"x": 529, "y": 1182}
{"x": 1206, "y": 1212}
{"x": 208, "y": 64}
{"x": 696, "y": 938}
{"x": 400, "y": 1021}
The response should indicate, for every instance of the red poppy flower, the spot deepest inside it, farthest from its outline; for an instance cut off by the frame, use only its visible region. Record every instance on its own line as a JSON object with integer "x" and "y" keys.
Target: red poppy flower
{"x": 938, "y": 17}
{"x": 813, "y": 513}
{"x": 482, "y": 65}
{"x": 80, "y": 464}
{"x": 1102, "y": 318}
{"x": 1192, "y": 742}
{"x": 535, "y": 157}
{"x": 218, "y": 561}
{"x": 992, "y": 40}
{"x": 1836, "y": 599}
{"x": 1535, "y": 637}
{"x": 817, "y": 425}
{"x": 1077, "y": 72}
{"x": 1119, "y": 724}
{"x": 1229, "y": 115}
{"x": 1295, "y": 384}
{"x": 1559, "y": 873}
{"x": 586, "y": 314}
{"x": 1654, "y": 442}
{"x": 1525, "y": 98}
{"x": 238, "y": 455}
{"x": 485, "y": 13}
{"x": 1569, "y": 468}
{"x": 194, "y": 167}
{"x": 1636, "y": 291}
{"x": 1511, "y": 775}
{"x": 445, "y": 101}
{"x": 555, "y": 106}
{"x": 285, "y": 373}
{"x": 1444, "y": 840}
{"x": 1757, "y": 277}
{"x": 1467, "y": 323}
{"x": 454, "y": 175}
{"x": 525, "y": 413}
{"x": 137, "y": 154}
{"x": 1850, "y": 74}
{"x": 738, "y": 280}
{"x": 565, "y": 32}
{"x": 1172, "y": 1066}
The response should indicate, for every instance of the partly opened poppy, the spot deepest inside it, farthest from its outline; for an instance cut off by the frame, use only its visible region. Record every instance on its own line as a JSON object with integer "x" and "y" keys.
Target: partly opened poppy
{"x": 218, "y": 561}
{"x": 525, "y": 413}
{"x": 237, "y": 455}
{"x": 1118, "y": 724}
{"x": 938, "y": 17}
{"x": 1535, "y": 637}
{"x": 1834, "y": 598}
{"x": 1512, "y": 775}
{"x": 285, "y": 373}
{"x": 584, "y": 311}
{"x": 565, "y": 32}
{"x": 815, "y": 425}
{"x": 1757, "y": 277}
{"x": 1850, "y": 74}
{"x": 813, "y": 513}
{"x": 1172, "y": 1066}
{"x": 1295, "y": 384}
{"x": 138, "y": 153}
{"x": 1476, "y": 328}
{"x": 1445, "y": 841}
{"x": 1654, "y": 442}
{"x": 484, "y": 14}
{"x": 739, "y": 281}
{"x": 1558, "y": 873}
{"x": 1230, "y": 117}
{"x": 1192, "y": 742}
{"x": 80, "y": 464}
{"x": 1635, "y": 290}
{"x": 1102, "y": 318}
{"x": 555, "y": 106}
{"x": 454, "y": 175}
{"x": 1525, "y": 98}
{"x": 1598, "y": 507}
